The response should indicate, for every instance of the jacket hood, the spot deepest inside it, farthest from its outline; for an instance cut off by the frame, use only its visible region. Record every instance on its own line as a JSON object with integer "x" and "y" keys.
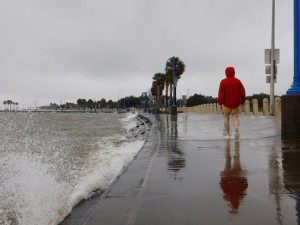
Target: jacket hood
{"x": 230, "y": 72}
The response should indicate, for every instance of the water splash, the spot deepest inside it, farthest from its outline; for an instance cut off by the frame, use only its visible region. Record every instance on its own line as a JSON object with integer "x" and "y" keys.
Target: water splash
{"x": 49, "y": 163}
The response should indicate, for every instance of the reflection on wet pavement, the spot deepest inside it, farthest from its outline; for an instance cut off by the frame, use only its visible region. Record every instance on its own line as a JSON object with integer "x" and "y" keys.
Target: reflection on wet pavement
{"x": 275, "y": 182}
{"x": 233, "y": 182}
{"x": 291, "y": 174}
{"x": 176, "y": 160}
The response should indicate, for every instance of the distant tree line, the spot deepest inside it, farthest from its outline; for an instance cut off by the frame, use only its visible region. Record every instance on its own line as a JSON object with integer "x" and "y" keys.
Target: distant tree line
{"x": 260, "y": 97}
{"x": 198, "y": 99}
{"x": 83, "y": 104}
{"x": 143, "y": 102}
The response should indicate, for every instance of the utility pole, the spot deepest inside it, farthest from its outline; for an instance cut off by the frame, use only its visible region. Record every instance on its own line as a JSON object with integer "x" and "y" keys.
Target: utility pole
{"x": 272, "y": 60}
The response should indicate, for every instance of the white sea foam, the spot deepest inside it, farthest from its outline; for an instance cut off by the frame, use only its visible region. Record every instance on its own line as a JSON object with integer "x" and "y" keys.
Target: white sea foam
{"x": 108, "y": 165}
{"x": 129, "y": 117}
{"x": 128, "y": 121}
{"x": 31, "y": 193}
{"x": 130, "y": 126}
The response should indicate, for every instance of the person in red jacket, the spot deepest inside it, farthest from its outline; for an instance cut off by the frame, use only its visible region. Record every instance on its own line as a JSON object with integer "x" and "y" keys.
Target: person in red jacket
{"x": 231, "y": 96}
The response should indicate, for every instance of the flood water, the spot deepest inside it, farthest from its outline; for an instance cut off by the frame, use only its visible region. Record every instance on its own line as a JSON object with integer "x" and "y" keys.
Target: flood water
{"x": 51, "y": 161}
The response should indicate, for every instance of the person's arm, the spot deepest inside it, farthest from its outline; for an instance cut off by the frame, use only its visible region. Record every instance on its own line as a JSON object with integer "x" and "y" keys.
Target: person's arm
{"x": 243, "y": 93}
{"x": 221, "y": 107}
{"x": 221, "y": 96}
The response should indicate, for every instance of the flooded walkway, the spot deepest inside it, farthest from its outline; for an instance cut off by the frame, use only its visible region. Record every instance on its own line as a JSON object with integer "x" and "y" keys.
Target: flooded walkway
{"x": 188, "y": 174}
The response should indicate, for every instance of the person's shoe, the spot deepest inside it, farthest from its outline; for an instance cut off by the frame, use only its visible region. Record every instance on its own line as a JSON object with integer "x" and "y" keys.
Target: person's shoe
{"x": 227, "y": 137}
{"x": 236, "y": 134}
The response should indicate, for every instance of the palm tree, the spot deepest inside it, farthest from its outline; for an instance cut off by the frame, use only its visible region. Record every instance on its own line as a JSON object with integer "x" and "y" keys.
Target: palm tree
{"x": 5, "y": 103}
{"x": 153, "y": 91}
{"x": 161, "y": 84}
{"x": 9, "y": 102}
{"x": 179, "y": 70}
{"x": 168, "y": 82}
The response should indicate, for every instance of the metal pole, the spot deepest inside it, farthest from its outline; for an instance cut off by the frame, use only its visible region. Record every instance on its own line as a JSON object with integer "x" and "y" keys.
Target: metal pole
{"x": 157, "y": 108}
{"x": 174, "y": 85}
{"x": 149, "y": 101}
{"x": 174, "y": 108}
{"x": 272, "y": 60}
{"x": 295, "y": 89}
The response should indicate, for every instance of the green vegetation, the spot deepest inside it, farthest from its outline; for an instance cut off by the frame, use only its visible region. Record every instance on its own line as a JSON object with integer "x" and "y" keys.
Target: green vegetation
{"x": 165, "y": 82}
{"x": 83, "y": 104}
{"x": 260, "y": 97}
{"x": 179, "y": 70}
{"x": 198, "y": 99}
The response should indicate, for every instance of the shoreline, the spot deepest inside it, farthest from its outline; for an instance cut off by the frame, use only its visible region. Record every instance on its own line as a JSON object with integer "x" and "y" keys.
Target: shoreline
{"x": 102, "y": 194}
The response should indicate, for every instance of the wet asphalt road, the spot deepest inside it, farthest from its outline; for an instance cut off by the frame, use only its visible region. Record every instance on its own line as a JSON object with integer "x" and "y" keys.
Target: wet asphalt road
{"x": 188, "y": 174}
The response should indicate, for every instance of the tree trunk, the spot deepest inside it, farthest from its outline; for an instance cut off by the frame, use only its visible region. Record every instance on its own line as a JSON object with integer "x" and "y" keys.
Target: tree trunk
{"x": 167, "y": 92}
{"x": 158, "y": 90}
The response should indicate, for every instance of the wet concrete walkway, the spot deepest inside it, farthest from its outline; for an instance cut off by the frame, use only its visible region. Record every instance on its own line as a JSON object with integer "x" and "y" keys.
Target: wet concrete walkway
{"x": 188, "y": 174}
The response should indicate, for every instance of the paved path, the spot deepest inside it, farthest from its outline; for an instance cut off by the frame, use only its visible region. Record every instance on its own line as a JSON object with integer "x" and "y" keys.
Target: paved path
{"x": 187, "y": 174}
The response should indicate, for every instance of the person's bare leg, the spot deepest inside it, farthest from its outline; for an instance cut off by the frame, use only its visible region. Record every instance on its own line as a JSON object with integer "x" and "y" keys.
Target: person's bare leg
{"x": 226, "y": 123}
{"x": 236, "y": 123}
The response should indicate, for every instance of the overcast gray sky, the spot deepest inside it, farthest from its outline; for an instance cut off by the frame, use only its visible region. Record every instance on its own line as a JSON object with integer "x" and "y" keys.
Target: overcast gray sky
{"x": 62, "y": 50}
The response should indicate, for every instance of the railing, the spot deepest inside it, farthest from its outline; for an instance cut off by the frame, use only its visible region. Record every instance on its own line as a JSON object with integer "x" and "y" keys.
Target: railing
{"x": 213, "y": 108}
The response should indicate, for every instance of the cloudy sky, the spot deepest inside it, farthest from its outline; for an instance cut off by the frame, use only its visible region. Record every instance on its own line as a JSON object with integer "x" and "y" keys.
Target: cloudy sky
{"x": 62, "y": 50}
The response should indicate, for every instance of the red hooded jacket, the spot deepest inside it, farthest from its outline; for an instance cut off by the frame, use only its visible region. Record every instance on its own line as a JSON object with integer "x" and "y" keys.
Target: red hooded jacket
{"x": 231, "y": 91}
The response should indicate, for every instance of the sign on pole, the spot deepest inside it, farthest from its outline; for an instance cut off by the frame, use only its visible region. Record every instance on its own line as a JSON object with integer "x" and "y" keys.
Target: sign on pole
{"x": 268, "y": 79}
{"x": 268, "y": 56}
{"x": 268, "y": 69}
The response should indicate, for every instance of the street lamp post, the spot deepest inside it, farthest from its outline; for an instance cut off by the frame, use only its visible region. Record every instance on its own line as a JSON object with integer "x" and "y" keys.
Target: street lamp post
{"x": 290, "y": 110}
{"x": 146, "y": 95}
{"x": 295, "y": 89}
{"x": 173, "y": 108}
{"x": 153, "y": 85}
{"x": 157, "y": 105}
